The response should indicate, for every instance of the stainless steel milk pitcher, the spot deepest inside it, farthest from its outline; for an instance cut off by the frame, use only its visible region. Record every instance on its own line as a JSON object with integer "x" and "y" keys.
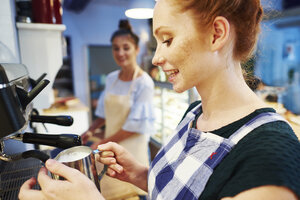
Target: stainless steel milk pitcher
{"x": 81, "y": 158}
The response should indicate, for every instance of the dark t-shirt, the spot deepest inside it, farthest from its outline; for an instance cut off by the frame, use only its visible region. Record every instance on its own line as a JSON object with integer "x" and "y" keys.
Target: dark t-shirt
{"x": 269, "y": 155}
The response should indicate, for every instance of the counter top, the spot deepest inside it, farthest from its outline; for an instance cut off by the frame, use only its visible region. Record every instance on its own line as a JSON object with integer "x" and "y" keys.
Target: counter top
{"x": 66, "y": 105}
{"x": 40, "y": 26}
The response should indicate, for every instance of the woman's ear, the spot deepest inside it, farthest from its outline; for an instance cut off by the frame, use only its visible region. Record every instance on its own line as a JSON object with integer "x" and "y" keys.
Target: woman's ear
{"x": 220, "y": 33}
{"x": 137, "y": 50}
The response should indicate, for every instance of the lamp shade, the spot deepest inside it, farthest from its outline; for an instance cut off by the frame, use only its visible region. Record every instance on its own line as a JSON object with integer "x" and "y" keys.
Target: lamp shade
{"x": 140, "y": 9}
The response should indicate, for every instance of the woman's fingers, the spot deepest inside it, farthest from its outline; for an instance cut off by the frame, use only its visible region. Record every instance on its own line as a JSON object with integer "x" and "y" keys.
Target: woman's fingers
{"x": 29, "y": 183}
{"x": 111, "y": 172}
{"x": 31, "y": 194}
{"x": 111, "y": 146}
{"x": 26, "y": 191}
{"x": 107, "y": 154}
{"x": 116, "y": 167}
{"x": 62, "y": 170}
{"x": 43, "y": 177}
{"x": 105, "y": 160}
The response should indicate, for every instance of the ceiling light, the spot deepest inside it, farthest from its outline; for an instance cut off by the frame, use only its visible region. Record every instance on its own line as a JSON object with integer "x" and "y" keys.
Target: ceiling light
{"x": 140, "y": 9}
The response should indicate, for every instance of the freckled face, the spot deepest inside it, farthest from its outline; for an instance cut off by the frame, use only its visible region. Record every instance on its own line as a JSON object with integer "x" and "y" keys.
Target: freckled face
{"x": 124, "y": 51}
{"x": 182, "y": 51}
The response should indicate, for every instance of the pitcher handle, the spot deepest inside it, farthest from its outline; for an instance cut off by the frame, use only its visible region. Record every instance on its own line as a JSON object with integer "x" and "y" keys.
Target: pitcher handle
{"x": 103, "y": 172}
{"x": 104, "y": 168}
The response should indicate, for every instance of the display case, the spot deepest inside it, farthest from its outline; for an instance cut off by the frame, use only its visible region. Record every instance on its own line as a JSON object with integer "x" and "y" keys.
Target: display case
{"x": 169, "y": 109}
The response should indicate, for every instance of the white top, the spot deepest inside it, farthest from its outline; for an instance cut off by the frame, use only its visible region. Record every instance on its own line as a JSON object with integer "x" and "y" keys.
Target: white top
{"x": 141, "y": 117}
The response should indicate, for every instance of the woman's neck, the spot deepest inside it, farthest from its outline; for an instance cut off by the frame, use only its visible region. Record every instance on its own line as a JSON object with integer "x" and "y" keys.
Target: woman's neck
{"x": 126, "y": 74}
{"x": 224, "y": 100}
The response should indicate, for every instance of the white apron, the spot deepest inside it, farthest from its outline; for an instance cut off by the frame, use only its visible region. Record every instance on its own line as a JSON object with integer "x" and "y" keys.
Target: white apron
{"x": 117, "y": 108}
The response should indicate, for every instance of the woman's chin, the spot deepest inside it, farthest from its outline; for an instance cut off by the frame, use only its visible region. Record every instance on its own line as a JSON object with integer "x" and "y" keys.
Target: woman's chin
{"x": 178, "y": 89}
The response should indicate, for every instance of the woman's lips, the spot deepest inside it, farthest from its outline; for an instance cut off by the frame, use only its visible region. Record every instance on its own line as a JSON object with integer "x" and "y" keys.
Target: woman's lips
{"x": 122, "y": 60}
{"x": 171, "y": 74}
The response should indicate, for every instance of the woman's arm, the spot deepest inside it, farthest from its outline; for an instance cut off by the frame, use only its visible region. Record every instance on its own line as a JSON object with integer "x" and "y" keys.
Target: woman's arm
{"x": 268, "y": 192}
{"x": 98, "y": 123}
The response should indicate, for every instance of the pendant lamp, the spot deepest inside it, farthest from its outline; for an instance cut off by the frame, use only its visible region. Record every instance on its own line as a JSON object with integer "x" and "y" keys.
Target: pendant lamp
{"x": 140, "y": 9}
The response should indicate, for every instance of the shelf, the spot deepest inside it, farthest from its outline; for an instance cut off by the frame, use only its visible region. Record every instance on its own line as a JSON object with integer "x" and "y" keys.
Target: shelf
{"x": 39, "y": 26}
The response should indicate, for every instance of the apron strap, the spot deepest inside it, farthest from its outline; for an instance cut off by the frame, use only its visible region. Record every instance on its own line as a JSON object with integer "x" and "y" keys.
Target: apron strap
{"x": 254, "y": 123}
{"x": 133, "y": 78}
{"x": 136, "y": 71}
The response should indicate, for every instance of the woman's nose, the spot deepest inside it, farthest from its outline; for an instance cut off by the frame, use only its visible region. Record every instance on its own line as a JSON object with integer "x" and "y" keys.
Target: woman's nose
{"x": 157, "y": 59}
{"x": 121, "y": 52}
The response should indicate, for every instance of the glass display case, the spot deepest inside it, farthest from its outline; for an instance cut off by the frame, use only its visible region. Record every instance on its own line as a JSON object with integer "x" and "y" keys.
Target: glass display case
{"x": 169, "y": 109}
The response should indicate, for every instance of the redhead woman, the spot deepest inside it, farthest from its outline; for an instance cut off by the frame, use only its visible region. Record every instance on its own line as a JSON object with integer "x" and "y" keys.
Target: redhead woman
{"x": 228, "y": 146}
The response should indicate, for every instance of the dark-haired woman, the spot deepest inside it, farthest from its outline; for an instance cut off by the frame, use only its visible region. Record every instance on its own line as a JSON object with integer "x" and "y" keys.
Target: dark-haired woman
{"x": 125, "y": 107}
{"x": 229, "y": 145}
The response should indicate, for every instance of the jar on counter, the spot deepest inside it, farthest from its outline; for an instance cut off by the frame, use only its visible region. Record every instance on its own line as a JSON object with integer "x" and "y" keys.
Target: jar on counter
{"x": 47, "y": 11}
{"x": 57, "y": 12}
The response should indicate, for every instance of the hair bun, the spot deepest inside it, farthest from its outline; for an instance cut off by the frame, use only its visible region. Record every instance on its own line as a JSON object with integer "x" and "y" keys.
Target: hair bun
{"x": 124, "y": 24}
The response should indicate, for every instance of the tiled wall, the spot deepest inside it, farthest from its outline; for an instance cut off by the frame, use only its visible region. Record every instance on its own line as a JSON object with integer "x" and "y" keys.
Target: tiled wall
{"x": 7, "y": 27}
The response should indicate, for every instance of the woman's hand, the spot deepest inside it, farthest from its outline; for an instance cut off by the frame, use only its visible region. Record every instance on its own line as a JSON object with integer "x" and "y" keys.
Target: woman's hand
{"x": 122, "y": 165}
{"x": 76, "y": 185}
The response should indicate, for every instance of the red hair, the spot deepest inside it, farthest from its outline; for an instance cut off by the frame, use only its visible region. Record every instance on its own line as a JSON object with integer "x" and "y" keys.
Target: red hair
{"x": 244, "y": 15}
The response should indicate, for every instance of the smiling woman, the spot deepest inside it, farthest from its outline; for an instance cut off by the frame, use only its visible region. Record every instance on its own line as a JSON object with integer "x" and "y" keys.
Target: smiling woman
{"x": 231, "y": 155}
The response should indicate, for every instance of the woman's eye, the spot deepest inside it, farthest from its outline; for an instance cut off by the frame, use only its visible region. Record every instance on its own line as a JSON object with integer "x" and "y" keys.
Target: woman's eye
{"x": 168, "y": 41}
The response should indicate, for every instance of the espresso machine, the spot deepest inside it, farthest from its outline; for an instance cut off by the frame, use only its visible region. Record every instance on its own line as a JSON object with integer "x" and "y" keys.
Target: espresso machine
{"x": 17, "y": 90}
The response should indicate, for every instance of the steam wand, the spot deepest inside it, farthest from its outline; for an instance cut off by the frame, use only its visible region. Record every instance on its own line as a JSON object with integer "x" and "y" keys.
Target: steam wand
{"x": 63, "y": 141}
{"x": 3, "y": 156}
{"x": 27, "y": 154}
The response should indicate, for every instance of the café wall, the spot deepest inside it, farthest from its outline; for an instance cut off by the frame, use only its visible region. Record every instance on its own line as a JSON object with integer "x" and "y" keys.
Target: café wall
{"x": 8, "y": 35}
